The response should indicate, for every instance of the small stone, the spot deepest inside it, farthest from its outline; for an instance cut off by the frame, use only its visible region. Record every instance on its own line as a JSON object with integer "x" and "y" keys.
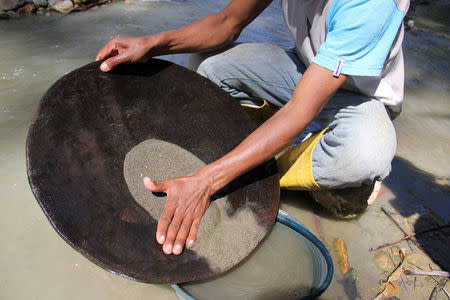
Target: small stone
{"x": 11, "y": 4}
{"x": 40, "y": 3}
{"x": 30, "y": 8}
{"x": 12, "y": 14}
{"x": 410, "y": 23}
{"x": 47, "y": 14}
{"x": 3, "y": 15}
{"x": 64, "y": 6}
{"x": 27, "y": 9}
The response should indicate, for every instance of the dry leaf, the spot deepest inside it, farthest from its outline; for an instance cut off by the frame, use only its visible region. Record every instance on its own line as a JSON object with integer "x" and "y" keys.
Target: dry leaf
{"x": 395, "y": 251}
{"x": 389, "y": 289}
{"x": 417, "y": 259}
{"x": 396, "y": 274}
{"x": 404, "y": 251}
{"x": 391, "y": 284}
{"x": 392, "y": 289}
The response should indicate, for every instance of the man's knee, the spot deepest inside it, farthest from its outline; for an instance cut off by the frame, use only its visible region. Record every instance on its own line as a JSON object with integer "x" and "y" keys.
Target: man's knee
{"x": 366, "y": 156}
{"x": 358, "y": 149}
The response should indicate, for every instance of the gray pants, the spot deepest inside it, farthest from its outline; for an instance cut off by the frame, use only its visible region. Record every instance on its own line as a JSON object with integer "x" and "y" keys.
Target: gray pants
{"x": 360, "y": 144}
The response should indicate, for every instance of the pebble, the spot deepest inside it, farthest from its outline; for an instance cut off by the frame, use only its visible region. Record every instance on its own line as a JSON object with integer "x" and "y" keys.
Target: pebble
{"x": 27, "y": 9}
{"x": 64, "y": 6}
{"x": 8, "y": 5}
{"x": 12, "y": 14}
{"x": 3, "y": 15}
{"x": 40, "y": 3}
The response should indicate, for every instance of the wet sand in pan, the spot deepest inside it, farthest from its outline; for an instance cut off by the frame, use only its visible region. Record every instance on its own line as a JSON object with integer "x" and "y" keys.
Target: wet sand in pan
{"x": 222, "y": 240}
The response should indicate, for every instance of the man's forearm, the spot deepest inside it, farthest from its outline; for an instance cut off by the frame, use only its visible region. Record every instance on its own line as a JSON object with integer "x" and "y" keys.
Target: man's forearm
{"x": 312, "y": 92}
{"x": 207, "y": 34}
{"x": 211, "y": 32}
{"x": 188, "y": 196}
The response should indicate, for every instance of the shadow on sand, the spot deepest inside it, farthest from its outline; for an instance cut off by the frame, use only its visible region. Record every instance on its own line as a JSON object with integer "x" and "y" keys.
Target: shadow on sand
{"x": 413, "y": 197}
{"x": 418, "y": 197}
{"x": 426, "y": 204}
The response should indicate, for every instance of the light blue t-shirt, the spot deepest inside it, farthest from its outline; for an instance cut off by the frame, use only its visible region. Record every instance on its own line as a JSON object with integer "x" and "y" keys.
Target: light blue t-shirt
{"x": 359, "y": 38}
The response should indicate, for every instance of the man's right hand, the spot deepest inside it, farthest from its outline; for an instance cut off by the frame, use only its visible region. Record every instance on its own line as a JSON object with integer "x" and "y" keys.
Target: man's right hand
{"x": 121, "y": 50}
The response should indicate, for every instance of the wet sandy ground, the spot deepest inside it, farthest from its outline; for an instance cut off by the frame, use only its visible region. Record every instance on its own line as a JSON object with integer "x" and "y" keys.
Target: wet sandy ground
{"x": 416, "y": 194}
{"x": 35, "y": 263}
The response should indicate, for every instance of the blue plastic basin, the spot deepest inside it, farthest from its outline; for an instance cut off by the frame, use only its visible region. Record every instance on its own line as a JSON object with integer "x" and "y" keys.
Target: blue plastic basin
{"x": 320, "y": 274}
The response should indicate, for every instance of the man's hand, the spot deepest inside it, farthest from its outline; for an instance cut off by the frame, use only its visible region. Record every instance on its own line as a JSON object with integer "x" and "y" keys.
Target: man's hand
{"x": 188, "y": 197}
{"x": 120, "y": 50}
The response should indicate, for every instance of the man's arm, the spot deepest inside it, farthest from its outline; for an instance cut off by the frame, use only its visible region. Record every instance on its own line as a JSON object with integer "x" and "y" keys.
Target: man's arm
{"x": 210, "y": 33}
{"x": 188, "y": 196}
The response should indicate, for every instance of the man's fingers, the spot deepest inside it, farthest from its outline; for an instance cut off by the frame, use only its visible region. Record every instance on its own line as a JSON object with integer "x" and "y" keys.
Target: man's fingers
{"x": 183, "y": 210}
{"x": 163, "y": 223}
{"x": 155, "y": 186}
{"x": 169, "y": 208}
{"x": 193, "y": 233}
{"x": 182, "y": 235}
{"x": 110, "y": 49}
{"x": 113, "y": 62}
{"x": 106, "y": 52}
{"x": 172, "y": 231}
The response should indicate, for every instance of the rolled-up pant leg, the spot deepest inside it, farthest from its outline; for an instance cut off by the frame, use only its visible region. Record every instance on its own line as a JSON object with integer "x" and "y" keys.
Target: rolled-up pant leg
{"x": 359, "y": 142}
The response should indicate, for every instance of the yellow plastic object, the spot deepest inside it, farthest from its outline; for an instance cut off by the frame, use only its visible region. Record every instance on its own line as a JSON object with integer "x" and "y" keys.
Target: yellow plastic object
{"x": 295, "y": 165}
{"x": 262, "y": 113}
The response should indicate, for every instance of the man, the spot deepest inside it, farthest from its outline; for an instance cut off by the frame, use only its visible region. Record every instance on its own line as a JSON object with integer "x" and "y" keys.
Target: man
{"x": 345, "y": 77}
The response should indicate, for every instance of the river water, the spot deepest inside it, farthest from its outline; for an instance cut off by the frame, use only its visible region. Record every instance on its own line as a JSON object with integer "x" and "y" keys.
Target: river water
{"x": 37, "y": 50}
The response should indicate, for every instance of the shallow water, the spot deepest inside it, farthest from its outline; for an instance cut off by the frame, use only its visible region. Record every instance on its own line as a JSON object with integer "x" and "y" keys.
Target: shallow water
{"x": 35, "y": 51}
{"x": 273, "y": 271}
